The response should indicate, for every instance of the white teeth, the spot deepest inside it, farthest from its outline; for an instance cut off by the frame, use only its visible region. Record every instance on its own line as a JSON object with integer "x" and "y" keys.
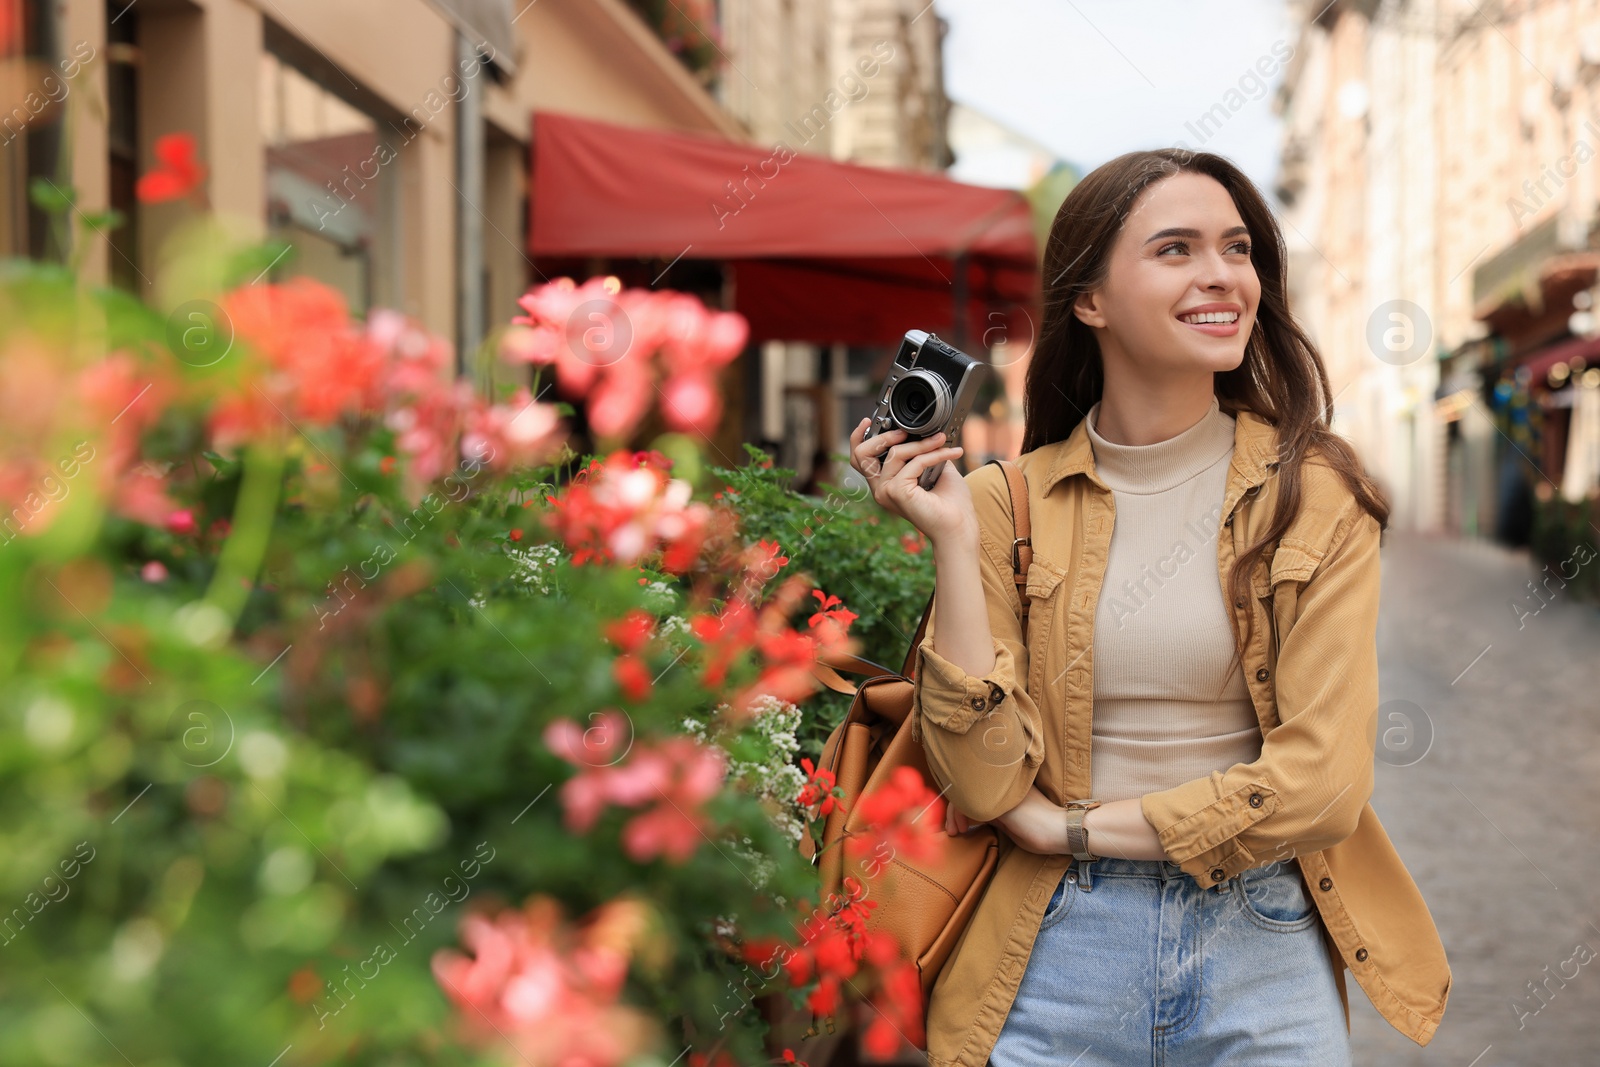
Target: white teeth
{"x": 1213, "y": 316}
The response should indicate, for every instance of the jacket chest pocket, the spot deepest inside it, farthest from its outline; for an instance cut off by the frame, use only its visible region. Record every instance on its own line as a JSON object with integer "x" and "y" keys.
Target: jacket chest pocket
{"x": 1047, "y": 587}
{"x": 1277, "y": 584}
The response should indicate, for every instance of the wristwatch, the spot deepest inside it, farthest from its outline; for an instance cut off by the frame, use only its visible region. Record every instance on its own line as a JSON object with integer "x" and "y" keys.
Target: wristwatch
{"x": 1077, "y": 836}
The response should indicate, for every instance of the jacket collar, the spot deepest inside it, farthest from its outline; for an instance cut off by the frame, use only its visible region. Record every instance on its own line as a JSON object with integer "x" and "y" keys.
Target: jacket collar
{"x": 1254, "y": 445}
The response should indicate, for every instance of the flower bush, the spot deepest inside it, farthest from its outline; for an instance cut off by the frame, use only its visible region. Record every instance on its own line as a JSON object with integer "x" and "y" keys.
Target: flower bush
{"x": 374, "y": 723}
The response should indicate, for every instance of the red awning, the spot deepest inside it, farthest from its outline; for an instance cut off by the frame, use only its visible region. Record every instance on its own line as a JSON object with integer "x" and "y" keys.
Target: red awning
{"x": 1565, "y": 351}
{"x": 820, "y": 250}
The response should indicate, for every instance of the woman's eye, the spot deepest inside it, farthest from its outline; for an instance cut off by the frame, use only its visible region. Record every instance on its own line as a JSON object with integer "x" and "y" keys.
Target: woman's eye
{"x": 1242, "y": 246}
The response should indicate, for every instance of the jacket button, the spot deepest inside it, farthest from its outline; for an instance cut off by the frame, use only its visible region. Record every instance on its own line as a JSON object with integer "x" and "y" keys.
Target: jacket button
{"x": 1262, "y": 674}
{"x": 1361, "y": 954}
{"x": 1239, "y": 603}
{"x": 1228, "y": 521}
{"x": 977, "y": 703}
{"x": 1255, "y": 800}
{"x": 1325, "y": 885}
{"x": 1217, "y": 874}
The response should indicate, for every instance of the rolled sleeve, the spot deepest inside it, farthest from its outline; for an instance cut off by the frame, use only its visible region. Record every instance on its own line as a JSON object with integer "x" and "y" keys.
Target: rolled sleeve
{"x": 952, "y": 699}
{"x": 983, "y": 736}
{"x": 1306, "y": 790}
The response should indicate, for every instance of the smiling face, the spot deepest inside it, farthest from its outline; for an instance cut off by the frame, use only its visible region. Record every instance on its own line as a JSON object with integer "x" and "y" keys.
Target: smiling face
{"x": 1181, "y": 294}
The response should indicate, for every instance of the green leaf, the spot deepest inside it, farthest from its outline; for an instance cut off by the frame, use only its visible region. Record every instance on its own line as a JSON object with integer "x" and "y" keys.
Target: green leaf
{"x": 47, "y": 196}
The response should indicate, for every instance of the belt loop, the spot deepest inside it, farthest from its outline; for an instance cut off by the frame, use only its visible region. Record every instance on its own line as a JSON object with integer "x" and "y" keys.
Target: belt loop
{"x": 1085, "y": 882}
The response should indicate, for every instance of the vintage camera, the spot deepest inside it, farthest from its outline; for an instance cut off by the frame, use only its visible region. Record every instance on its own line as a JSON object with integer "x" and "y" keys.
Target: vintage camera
{"x": 930, "y": 388}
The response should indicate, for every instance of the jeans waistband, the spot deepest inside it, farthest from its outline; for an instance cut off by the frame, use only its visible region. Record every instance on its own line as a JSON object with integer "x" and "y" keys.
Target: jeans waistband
{"x": 1115, "y": 866}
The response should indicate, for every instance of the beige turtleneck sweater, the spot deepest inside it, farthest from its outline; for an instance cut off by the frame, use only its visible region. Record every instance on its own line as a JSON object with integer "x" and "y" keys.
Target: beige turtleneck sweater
{"x": 1169, "y": 706}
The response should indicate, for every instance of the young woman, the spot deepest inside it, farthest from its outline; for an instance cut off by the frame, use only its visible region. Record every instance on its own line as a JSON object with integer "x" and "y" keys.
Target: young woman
{"x": 1179, "y": 748}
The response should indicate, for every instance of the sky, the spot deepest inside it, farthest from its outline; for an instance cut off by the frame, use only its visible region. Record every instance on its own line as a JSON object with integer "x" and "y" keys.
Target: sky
{"x": 1092, "y": 79}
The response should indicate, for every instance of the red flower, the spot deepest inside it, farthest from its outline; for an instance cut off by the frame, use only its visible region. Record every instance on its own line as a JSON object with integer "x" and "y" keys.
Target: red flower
{"x": 179, "y": 173}
{"x": 726, "y": 636}
{"x": 899, "y": 1016}
{"x": 625, "y": 511}
{"x": 515, "y": 535}
{"x": 630, "y": 632}
{"x": 913, "y": 542}
{"x": 633, "y": 675}
{"x": 819, "y": 791}
{"x": 839, "y": 615}
{"x": 317, "y": 366}
{"x": 762, "y": 561}
{"x": 902, "y": 816}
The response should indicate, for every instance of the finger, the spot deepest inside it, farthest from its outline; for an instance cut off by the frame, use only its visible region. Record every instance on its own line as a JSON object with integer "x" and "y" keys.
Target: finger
{"x": 896, "y": 457}
{"x": 866, "y": 452}
{"x": 878, "y": 442}
{"x": 859, "y": 432}
{"x": 907, "y": 449}
{"x": 917, "y": 464}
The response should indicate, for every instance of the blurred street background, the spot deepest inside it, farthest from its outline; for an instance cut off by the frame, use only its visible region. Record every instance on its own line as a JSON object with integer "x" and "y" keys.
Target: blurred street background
{"x": 838, "y": 171}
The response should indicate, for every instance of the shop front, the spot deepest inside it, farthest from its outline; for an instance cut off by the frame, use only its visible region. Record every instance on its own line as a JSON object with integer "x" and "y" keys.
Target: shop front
{"x": 840, "y": 257}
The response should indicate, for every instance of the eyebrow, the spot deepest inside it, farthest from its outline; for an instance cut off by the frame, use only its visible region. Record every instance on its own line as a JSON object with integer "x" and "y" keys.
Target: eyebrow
{"x": 1179, "y": 231}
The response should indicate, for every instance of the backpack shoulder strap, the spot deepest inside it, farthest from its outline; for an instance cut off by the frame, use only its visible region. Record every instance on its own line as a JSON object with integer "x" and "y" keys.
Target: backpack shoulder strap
{"x": 1022, "y": 539}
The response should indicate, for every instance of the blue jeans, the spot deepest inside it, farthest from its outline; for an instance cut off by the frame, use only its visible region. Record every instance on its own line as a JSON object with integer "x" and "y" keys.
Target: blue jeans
{"x": 1137, "y": 964}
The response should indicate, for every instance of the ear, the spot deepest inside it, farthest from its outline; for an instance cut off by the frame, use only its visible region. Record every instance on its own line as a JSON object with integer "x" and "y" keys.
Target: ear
{"x": 1087, "y": 308}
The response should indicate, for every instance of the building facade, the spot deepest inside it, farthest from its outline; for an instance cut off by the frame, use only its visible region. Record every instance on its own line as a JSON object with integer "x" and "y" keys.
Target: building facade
{"x": 1439, "y": 181}
{"x": 387, "y": 141}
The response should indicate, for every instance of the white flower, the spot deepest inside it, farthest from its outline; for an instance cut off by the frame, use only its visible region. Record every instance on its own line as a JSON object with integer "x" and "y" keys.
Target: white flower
{"x": 775, "y": 779}
{"x": 534, "y": 564}
{"x": 659, "y": 597}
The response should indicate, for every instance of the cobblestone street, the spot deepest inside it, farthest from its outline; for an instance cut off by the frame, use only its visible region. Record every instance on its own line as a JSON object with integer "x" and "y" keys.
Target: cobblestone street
{"x": 1495, "y": 820}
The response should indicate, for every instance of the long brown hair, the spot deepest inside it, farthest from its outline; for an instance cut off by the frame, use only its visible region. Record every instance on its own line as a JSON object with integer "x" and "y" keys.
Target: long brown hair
{"x": 1281, "y": 377}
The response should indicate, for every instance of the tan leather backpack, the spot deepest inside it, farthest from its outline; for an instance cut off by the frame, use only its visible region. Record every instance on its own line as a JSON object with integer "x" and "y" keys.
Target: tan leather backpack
{"x": 925, "y": 905}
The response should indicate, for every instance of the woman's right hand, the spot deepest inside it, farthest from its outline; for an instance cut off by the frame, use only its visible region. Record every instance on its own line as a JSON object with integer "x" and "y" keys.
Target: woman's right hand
{"x": 891, "y": 465}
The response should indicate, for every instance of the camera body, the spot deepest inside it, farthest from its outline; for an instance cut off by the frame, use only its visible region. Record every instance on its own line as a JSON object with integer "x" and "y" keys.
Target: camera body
{"x": 930, "y": 388}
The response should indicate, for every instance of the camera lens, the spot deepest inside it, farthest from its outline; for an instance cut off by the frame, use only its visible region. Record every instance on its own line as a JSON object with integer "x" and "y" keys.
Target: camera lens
{"x": 919, "y": 401}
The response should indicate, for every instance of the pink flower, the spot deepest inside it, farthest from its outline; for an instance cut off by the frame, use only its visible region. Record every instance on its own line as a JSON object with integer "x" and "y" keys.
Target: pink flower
{"x": 675, "y": 827}
{"x": 141, "y": 495}
{"x": 515, "y": 434}
{"x": 675, "y": 777}
{"x": 617, "y": 347}
{"x": 690, "y": 402}
{"x": 549, "y": 988}
{"x": 181, "y": 522}
{"x": 154, "y": 571}
{"x": 620, "y": 400}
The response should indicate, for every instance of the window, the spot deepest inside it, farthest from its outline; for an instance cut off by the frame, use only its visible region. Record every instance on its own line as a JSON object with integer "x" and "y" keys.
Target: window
{"x": 331, "y": 187}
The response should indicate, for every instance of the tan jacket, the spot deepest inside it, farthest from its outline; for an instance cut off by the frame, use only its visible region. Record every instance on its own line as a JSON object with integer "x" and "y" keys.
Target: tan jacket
{"x": 1312, "y": 670}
